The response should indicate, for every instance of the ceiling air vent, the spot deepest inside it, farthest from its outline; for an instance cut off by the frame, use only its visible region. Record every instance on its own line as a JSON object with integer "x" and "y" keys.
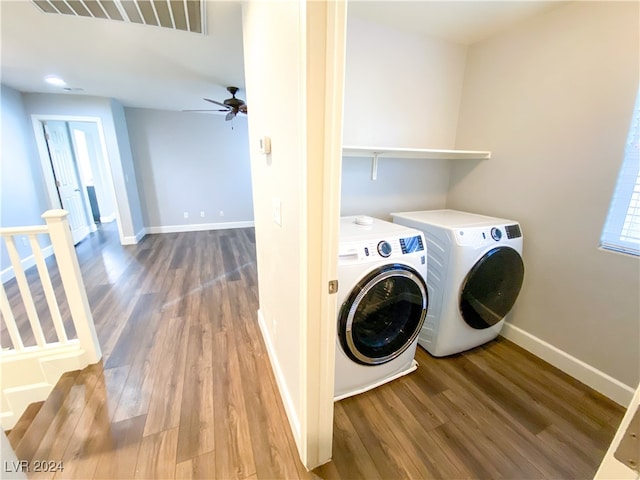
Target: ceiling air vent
{"x": 185, "y": 15}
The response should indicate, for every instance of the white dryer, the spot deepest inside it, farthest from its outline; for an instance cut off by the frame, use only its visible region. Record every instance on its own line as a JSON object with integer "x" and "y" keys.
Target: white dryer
{"x": 382, "y": 303}
{"x": 474, "y": 278}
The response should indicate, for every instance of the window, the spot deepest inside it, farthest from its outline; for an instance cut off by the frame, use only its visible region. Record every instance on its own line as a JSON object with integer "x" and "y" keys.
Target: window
{"x": 622, "y": 228}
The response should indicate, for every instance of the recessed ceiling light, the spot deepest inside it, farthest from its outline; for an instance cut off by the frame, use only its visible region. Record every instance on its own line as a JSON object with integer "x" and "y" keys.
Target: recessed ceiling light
{"x": 55, "y": 80}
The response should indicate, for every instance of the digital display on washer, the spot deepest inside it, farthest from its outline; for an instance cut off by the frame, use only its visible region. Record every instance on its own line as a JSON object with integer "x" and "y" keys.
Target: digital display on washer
{"x": 411, "y": 244}
{"x": 513, "y": 231}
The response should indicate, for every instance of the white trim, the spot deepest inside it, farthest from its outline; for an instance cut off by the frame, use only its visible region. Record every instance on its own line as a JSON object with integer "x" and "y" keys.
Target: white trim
{"x": 611, "y": 467}
{"x": 49, "y": 350}
{"x": 140, "y": 235}
{"x": 594, "y": 378}
{"x": 108, "y": 218}
{"x": 27, "y": 262}
{"x": 135, "y": 239}
{"x": 47, "y": 170}
{"x": 198, "y": 227}
{"x": 294, "y": 421}
{"x": 29, "y": 375}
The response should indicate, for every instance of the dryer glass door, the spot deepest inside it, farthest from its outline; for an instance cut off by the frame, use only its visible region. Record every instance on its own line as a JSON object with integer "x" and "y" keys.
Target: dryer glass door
{"x": 491, "y": 287}
{"x": 383, "y": 314}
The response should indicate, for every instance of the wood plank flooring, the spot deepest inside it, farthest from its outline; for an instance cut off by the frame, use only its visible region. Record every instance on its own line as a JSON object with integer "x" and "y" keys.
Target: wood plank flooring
{"x": 185, "y": 389}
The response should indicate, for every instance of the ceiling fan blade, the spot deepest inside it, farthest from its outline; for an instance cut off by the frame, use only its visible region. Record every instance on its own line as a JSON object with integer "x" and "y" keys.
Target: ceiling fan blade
{"x": 230, "y": 115}
{"x": 218, "y": 103}
{"x": 206, "y": 110}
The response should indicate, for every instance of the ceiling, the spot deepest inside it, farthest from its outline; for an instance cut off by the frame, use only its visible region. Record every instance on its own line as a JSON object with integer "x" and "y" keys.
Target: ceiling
{"x": 152, "y": 67}
{"x": 139, "y": 65}
{"x": 462, "y": 22}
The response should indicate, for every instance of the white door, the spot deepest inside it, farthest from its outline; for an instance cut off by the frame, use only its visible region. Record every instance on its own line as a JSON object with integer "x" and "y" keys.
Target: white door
{"x": 67, "y": 179}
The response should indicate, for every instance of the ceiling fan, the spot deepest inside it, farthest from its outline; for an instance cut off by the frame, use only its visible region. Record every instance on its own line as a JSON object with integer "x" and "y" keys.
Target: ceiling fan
{"x": 232, "y": 105}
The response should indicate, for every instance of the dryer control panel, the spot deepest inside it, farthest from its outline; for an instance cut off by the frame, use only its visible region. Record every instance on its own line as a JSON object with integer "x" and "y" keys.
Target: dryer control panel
{"x": 479, "y": 236}
{"x": 513, "y": 231}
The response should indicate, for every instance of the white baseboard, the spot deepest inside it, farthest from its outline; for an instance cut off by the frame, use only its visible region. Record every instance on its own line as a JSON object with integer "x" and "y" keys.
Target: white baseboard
{"x": 294, "y": 421}
{"x": 134, "y": 240}
{"x": 107, "y": 218}
{"x": 199, "y": 227}
{"x": 594, "y": 378}
{"x": 140, "y": 235}
{"x": 129, "y": 240}
{"x": 27, "y": 262}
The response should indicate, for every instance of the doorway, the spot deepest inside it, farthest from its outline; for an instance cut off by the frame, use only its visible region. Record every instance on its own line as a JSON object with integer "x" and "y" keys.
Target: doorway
{"x": 76, "y": 170}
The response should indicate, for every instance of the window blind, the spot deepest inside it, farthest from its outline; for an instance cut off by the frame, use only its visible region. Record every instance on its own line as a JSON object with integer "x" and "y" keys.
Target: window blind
{"x": 622, "y": 227}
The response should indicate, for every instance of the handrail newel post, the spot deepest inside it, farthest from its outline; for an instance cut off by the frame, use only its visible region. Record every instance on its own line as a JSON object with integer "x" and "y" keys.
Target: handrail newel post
{"x": 72, "y": 282}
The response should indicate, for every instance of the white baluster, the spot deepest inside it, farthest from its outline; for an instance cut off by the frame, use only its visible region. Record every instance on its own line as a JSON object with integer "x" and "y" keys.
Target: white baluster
{"x": 9, "y": 320}
{"x": 49, "y": 293}
{"x": 25, "y": 291}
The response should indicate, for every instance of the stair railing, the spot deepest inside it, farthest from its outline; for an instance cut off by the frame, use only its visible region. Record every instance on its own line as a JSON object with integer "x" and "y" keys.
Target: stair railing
{"x": 57, "y": 228}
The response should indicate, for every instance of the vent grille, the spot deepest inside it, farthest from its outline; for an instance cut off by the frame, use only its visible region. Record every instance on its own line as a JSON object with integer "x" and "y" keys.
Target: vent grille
{"x": 187, "y": 15}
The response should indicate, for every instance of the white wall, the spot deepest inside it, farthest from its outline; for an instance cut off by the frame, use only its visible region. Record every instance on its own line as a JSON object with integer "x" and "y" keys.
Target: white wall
{"x": 111, "y": 115}
{"x": 127, "y": 168}
{"x": 22, "y": 191}
{"x": 552, "y": 100}
{"x": 190, "y": 162}
{"x": 273, "y": 56}
{"x": 401, "y": 90}
{"x": 295, "y": 50}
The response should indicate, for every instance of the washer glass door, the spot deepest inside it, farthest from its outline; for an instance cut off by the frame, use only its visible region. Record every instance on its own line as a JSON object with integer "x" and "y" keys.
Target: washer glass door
{"x": 383, "y": 314}
{"x": 491, "y": 287}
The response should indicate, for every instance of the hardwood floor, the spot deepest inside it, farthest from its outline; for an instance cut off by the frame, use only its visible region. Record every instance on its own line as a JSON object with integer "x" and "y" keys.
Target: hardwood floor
{"x": 185, "y": 389}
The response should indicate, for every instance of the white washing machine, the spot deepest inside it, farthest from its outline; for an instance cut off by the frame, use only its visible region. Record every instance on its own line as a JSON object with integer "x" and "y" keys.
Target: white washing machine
{"x": 382, "y": 303}
{"x": 474, "y": 278}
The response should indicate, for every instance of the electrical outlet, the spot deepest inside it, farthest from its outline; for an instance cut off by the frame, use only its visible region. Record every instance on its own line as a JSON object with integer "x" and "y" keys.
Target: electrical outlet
{"x": 221, "y": 213}
{"x": 202, "y": 214}
{"x": 186, "y": 214}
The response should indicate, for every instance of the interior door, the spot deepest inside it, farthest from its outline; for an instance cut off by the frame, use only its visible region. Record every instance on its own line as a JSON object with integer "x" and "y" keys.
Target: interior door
{"x": 67, "y": 179}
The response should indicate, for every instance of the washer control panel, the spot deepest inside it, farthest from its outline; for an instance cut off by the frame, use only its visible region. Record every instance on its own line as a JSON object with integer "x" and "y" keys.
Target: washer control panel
{"x": 411, "y": 244}
{"x": 390, "y": 247}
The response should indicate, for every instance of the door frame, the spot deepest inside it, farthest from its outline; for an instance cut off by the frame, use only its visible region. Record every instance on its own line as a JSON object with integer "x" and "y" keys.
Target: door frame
{"x": 37, "y": 122}
{"x": 324, "y": 37}
{"x": 87, "y": 225}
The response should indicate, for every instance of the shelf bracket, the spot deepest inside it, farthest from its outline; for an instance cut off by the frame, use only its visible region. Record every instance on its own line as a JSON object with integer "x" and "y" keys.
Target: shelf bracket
{"x": 374, "y": 166}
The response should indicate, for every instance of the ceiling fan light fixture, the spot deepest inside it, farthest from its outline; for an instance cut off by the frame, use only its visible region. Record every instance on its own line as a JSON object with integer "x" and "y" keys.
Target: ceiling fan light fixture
{"x": 232, "y": 105}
